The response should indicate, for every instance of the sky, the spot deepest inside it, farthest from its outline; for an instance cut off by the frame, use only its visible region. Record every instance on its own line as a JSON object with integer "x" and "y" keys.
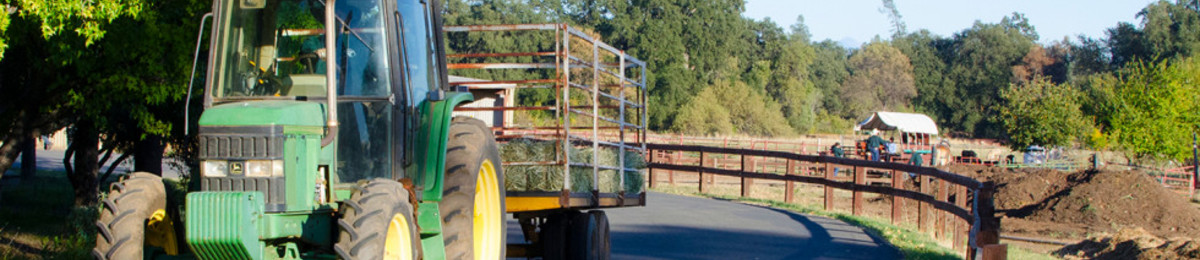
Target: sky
{"x": 853, "y": 22}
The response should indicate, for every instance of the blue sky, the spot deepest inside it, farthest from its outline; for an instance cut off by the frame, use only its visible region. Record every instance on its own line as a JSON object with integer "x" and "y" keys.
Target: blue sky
{"x": 853, "y": 22}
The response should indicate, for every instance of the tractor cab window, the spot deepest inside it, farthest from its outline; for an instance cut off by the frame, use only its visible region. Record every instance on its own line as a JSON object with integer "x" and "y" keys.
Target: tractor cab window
{"x": 276, "y": 48}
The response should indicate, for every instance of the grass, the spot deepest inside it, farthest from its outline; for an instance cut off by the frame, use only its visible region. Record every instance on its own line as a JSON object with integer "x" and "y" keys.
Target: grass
{"x": 1021, "y": 253}
{"x": 911, "y": 243}
{"x": 38, "y": 219}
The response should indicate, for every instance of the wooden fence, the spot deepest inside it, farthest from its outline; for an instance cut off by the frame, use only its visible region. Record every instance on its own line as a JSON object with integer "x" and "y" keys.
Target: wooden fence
{"x": 960, "y": 208}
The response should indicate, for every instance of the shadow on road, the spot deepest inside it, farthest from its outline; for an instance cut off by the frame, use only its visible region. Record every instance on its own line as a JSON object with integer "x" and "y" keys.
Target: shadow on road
{"x": 678, "y": 227}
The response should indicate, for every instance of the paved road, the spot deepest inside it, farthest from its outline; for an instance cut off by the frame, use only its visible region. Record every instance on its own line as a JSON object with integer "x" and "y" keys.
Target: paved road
{"x": 680, "y": 227}
{"x": 52, "y": 160}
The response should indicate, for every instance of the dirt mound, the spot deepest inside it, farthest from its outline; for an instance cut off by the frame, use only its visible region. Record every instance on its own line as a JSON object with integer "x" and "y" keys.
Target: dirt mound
{"x": 1132, "y": 243}
{"x": 1072, "y": 204}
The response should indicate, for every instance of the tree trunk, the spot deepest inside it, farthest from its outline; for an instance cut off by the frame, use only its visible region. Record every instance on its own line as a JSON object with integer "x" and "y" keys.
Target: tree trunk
{"x": 9, "y": 151}
{"x": 148, "y": 155}
{"x": 28, "y": 157}
{"x": 87, "y": 165}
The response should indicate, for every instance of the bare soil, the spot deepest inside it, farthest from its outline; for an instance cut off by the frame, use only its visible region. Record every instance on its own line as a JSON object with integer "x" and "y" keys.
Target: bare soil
{"x": 1122, "y": 214}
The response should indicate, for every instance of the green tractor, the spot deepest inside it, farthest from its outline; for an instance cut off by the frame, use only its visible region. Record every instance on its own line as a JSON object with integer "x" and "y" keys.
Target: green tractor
{"x": 327, "y": 134}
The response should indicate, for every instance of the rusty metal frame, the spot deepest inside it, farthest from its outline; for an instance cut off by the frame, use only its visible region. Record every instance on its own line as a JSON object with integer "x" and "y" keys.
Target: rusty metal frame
{"x": 598, "y": 75}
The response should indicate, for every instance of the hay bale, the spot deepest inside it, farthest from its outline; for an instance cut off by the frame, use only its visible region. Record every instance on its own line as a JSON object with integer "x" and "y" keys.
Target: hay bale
{"x": 550, "y": 178}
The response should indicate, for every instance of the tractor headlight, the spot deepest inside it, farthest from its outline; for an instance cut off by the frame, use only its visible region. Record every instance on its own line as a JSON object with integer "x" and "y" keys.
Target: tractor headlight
{"x": 264, "y": 168}
{"x": 214, "y": 168}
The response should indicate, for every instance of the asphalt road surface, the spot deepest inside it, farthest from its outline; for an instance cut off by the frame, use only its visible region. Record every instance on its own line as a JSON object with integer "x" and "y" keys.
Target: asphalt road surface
{"x": 680, "y": 227}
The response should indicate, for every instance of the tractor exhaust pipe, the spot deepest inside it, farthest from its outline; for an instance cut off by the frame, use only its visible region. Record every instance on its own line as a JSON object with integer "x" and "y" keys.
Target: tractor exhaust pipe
{"x": 331, "y": 128}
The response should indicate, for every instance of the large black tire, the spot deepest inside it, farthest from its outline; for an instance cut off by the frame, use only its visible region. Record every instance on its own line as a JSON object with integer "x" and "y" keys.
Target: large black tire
{"x": 378, "y": 209}
{"x": 553, "y": 235}
{"x": 603, "y": 239}
{"x": 121, "y": 229}
{"x": 471, "y": 146}
{"x": 588, "y": 237}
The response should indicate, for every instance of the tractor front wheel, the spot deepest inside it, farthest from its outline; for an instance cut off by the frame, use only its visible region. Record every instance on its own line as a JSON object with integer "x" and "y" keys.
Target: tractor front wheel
{"x": 133, "y": 220}
{"x": 472, "y": 206}
{"x": 377, "y": 223}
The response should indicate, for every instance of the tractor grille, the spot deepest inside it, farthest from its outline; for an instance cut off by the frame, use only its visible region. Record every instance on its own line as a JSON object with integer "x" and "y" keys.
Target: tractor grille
{"x": 274, "y": 188}
{"x": 245, "y": 143}
{"x": 240, "y": 143}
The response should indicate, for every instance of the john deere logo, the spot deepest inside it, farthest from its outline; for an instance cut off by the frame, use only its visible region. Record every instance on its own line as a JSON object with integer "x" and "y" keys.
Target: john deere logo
{"x": 235, "y": 168}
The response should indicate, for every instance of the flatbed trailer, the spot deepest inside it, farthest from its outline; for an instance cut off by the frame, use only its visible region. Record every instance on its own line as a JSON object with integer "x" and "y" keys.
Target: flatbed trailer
{"x": 599, "y": 108}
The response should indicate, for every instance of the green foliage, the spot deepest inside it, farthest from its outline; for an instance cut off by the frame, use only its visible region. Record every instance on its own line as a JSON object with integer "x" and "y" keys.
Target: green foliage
{"x": 880, "y": 80}
{"x": 711, "y": 112}
{"x": 1155, "y": 109}
{"x": 1098, "y": 140}
{"x": 981, "y": 66}
{"x": 1040, "y": 112}
{"x": 828, "y": 70}
{"x": 86, "y": 20}
{"x": 934, "y": 93}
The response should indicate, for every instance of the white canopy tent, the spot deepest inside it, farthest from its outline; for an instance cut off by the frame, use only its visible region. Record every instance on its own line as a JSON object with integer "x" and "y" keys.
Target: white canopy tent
{"x": 905, "y": 122}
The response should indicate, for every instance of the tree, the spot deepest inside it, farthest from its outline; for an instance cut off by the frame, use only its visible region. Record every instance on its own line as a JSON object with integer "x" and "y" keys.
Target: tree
{"x": 1088, "y": 56}
{"x": 1170, "y": 30}
{"x": 48, "y": 36}
{"x": 127, "y": 85}
{"x": 1155, "y": 107}
{"x": 711, "y": 113}
{"x": 880, "y": 79}
{"x": 893, "y": 13}
{"x": 828, "y": 71}
{"x": 1033, "y": 65}
{"x": 981, "y": 67}
{"x": 1040, "y": 112}
{"x": 926, "y": 52}
{"x": 790, "y": 81}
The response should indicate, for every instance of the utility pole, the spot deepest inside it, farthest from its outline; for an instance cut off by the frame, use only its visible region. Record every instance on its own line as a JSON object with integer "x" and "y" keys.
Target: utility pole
{"x": 1195, "y": 163}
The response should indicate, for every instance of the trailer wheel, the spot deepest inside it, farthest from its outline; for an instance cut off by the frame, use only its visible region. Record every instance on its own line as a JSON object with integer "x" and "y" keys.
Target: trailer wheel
{"x": 377, "y": 223}
{"x": 588, "y": 238}
{"x": 553, "y": 235}
{"x": 133, "y": 220}
{"x": 472, "y": 206}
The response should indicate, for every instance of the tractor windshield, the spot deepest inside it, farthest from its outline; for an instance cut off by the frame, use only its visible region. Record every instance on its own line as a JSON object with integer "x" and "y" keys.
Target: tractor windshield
{"x": 276, "y": 48}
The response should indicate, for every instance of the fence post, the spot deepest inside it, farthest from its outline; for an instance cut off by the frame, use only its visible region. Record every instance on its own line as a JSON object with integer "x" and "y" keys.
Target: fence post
{"x": 742, "y": 176}
{"x": 789, "y": 190}
{"x": 897, "y": 201}
{"x": 671, "y": 173}
{"x": 988, "y": 236}
{"x": 700, "y": 174}
{"x": 650, "y": 171}
{"x": 860, "y": 178}
{"x": 943, "y": 194}
{"x": 960, "y": 231}
{"x": 828, "y": 190}
{"x": 923, "y": 207}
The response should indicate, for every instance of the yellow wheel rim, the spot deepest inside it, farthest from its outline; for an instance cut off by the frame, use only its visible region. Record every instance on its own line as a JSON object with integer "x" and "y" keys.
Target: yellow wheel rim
{"x": 399, "y": 244}
{"x": 160, "y": 232}
{"x": 487, "y": 228}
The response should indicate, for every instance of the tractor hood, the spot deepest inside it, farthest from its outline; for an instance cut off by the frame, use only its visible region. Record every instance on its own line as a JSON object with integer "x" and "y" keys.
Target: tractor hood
{"x": 288, "y": 113}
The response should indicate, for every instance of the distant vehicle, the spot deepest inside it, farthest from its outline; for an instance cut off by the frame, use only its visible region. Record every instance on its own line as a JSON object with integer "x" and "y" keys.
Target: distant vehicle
{"x": 1034, "y": 155}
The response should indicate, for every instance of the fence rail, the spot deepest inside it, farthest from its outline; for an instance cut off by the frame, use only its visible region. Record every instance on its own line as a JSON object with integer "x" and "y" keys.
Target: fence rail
{"x": 978, "y": 228}
{"x": 1179, "y": 180}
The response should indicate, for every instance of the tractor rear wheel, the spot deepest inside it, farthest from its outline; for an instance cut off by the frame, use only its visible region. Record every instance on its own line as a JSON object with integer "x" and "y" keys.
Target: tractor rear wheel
{"x": 133, "y": 220}
{"x": 472, "y": 206}
{"x": 377, "y": 223}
